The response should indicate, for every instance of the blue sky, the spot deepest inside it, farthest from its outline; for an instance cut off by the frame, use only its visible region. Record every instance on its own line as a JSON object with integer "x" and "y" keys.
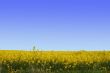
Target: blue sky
{"x": 55, "y": 24}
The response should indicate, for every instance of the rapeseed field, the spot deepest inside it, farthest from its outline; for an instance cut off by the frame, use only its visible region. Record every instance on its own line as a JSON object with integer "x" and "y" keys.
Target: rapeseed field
{"x": 54, "y": 61}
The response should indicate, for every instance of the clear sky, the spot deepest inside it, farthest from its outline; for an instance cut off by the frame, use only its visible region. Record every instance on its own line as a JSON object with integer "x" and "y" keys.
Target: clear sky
{"x": 55, "y": 24}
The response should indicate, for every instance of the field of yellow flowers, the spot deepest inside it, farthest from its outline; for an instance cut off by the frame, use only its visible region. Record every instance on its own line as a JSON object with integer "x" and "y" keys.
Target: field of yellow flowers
{"x": 54, "y": 61}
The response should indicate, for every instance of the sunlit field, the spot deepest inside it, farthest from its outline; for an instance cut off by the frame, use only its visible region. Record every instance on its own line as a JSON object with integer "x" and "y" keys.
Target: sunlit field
{"x": 54, "y": 61}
